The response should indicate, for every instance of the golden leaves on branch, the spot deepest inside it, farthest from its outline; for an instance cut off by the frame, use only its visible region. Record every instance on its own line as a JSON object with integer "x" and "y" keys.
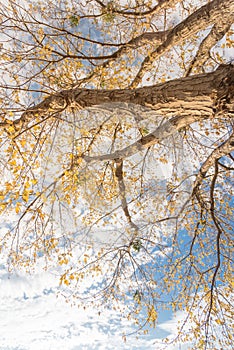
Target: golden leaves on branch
{"x": 152, "y": 315}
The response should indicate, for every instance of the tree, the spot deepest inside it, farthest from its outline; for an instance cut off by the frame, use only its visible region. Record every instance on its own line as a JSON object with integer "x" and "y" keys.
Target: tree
{"x": 117, "y": 154}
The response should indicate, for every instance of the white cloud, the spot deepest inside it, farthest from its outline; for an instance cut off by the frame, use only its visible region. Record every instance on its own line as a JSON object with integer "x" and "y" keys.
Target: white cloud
{"x": 32, "y": 317}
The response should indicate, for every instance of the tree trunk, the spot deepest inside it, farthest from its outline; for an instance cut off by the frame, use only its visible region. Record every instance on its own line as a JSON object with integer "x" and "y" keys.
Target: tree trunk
{"x": 198, "y": 96}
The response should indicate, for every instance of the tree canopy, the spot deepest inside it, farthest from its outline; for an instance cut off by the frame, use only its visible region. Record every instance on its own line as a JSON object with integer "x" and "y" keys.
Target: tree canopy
{"x": 117, "y": 154}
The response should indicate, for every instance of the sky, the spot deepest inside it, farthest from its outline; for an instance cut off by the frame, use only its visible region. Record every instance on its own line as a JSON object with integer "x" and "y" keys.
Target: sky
{"x": 34, "y": 317}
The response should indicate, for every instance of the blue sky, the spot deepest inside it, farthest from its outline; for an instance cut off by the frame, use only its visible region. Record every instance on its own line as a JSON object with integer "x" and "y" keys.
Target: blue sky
{"x": 33, "y": 316}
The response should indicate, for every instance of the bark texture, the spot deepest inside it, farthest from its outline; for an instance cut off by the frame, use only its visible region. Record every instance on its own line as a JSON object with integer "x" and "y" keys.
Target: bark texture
{"x": 217, "y": 32}
{"x": 199, "y": 20}
{"x": 199, "y": 96}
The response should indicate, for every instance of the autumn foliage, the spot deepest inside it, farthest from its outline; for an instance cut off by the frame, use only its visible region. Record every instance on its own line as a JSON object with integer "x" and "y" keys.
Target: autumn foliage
{"x": 117, "y": 155}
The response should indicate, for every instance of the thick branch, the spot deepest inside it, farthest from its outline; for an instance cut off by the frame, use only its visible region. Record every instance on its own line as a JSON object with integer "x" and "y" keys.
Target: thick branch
{"x": 217, "y": 33}
{"x": 199, "y": 96}
{"x": 122, "y": 191}
{"x": 200, "y": 19}
{"x": 148, "y": 37}
{"x": 161, "y": 133}
{"x": 155, "y": 38}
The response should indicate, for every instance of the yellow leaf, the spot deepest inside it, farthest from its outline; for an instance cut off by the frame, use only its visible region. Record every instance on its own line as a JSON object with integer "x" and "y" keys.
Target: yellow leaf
{"x": 79, "y": 160}
{"x": 25, "y": 196}
{"x": 11, "y": 129}
{"x": 8, "y": 186}
{"x": 17, "y": 207}
{"x": 27, "y": 184}
{"x": 23, "y": 142}
{"x": 152, "y": 314}
{"x": 218, "y": 321}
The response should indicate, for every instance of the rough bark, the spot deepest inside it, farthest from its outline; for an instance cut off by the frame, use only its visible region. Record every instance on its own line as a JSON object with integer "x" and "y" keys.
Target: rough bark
{"x": 200, "y": 19}
{"x": 216, "y": 34}
{"x": 195, "y": 96}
